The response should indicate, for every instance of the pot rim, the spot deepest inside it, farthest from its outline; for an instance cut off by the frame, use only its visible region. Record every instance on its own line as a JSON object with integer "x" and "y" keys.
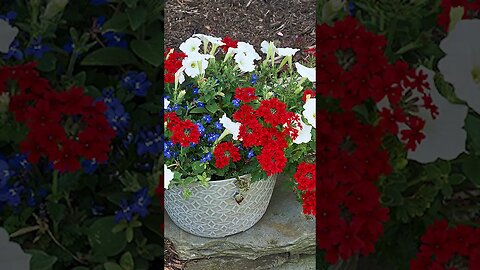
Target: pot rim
{"x": 233, "y": 178}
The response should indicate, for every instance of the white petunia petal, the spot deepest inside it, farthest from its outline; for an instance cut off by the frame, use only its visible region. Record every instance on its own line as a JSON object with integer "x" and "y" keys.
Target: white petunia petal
{"x": 168, "y": 176}
{"x": 304, "y": 134}
{"x": 287, "y": 51}
{"x": 306, "y": 72}
{"x": 232, "y": 127}
{"x": 166, "y": 102}
{"x": 191, "y": 46}
{"x": 309, "y": 111}
{"x": 461, "y": 64}
{"x": 214, "y": 40}
{"x": 444, "y": 136}
{"x": 7, "y": 35}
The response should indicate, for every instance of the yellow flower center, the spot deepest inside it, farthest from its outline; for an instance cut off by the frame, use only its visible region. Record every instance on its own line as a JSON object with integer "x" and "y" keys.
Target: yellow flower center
{"x": 476, "y": 74}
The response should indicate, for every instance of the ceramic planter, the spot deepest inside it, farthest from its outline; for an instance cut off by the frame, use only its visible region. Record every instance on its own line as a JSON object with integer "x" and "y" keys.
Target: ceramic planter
{"x": 221, "y": 209}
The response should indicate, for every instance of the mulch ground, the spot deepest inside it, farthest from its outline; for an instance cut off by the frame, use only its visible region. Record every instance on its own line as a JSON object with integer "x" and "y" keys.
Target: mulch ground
{"x": 289, "y": 23}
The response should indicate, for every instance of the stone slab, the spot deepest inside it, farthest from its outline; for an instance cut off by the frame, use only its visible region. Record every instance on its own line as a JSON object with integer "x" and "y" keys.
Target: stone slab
{"x": 282, "y": 230}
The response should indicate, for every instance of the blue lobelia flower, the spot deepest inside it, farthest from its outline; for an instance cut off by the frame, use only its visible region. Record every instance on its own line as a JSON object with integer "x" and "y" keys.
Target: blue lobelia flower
{"x": 31, "y": 200}
{"x": 207, "y": 118}
{"x": 113, "y": 39}
{"x": 149, "y": 141}
{"x": 236, "y": 102}
{"x": 14, "y": 51}
{"x": 99, "y": 22}
{"x": 168, "y": 151}
{"x": 250, "y": 153}
{"x": 352, "y": 8}
{"x": 141, "y": 201}
{"x": 98, "y": 2}
{"x": 97, "y": 210}
{"x": 37, "y": 49}
{"x": 254, "y": 79}
{"x": 5, "y": 172}
{"x": 200, "y": 104}
{"x": 212, "y": 137}
{"x": 9, "y": 17}
{"x": 201, "y": 128}
{"x": 218, "y": 125}
{"x": 206, "y": 157}
{"x": 125, "y": 212}
{"x": 195, "y": 91}
{"x": 136, "y": 82}
{"x": 89, "y": 166}
{"x": 12, "y": 194}
{"x": 117, "y": 117}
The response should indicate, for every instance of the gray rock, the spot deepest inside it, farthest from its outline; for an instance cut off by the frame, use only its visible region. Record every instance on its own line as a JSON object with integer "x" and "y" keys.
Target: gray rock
{"x": 282, "y": 234}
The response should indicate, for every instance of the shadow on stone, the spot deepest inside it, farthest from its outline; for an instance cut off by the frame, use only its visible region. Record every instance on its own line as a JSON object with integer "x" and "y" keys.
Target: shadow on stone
{"x": 284, "y": 238}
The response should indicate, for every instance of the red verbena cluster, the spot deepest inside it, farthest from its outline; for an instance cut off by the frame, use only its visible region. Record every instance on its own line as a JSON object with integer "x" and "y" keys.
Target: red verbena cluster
{"x": 306, "y": 178}
{"x": 229, "y": 43}
{"x": 224, "y": 152}
{"x": 443, "y": 19}
{"x": 63, "y": 126}
{"x": 268, "y": 127}
{"x": 445, "y": 247}
{"x": 184, "y": 132}
{"x": 173, "y": 62}
{"x": 353, "y": 68}
{"x": 350, "y": 159}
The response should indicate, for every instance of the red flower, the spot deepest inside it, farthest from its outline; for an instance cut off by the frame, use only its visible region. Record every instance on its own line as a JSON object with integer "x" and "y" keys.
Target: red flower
{"x": 245, "y": 94}
{"x": 185, "y": 133}
{"x": 306, "y": 176}
{"x": 308, "y": 93}
{"x": 309, "y": 203}
{"x": 172, "y": 63}
{"x": 229, "y": 43}
{"x": 272, "y": 160}
{"x": 224, "y": 152}
{"x": 273, "y": 111}
{"x": 244, "y": 113}
{"x": 66, "y": 158}
{"x": 251, "y": 133}
{"x": 172, "y": 119}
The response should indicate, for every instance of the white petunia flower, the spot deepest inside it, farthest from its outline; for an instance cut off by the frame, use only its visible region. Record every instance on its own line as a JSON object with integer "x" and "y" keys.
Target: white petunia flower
{"x": 304, "y": 132}
{"x": 461, "y": 64}
{"x": 248, "y": 50}
{"x": 214, "y": 40}
{"x": 166, "y": 102}
{"x": 232, "y": 127}
{"x": 444, "y": 136}
{"x": 309, "y": 111}
{"x": 168, "y": 176}
{"x": 287, "y": 51}
{"x": 195, "y": 64}
{"x": 264, "y": 46}
{"x": 306, "y": 72}
{"x": 245, "y": 63}
{"x": 7, "y": 35}
{"x": 191, "y": 46}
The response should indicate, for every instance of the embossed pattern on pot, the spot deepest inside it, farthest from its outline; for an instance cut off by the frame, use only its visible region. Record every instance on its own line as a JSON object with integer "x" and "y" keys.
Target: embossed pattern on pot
{"x": 213, "y": 211}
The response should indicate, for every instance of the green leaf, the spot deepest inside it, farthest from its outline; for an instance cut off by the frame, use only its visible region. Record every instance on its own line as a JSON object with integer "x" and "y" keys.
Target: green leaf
{"x": 212, "y": 107}
{"x": 150, "y": 51}
{"x": 471, "y": 170}
{"x": 151, "y": 107}
{"x": 137, "y": 17}
{"x": 129, "y": 234}
{"x": 126, "y": 261}
{"x": 131, "y": 3}
{"x": 456, "y": 179}
{"x": 117, "y": 23}
{"x": 472, "y": 126}
{"x": 112, "y": 266}
{"x": 56, "y": 211}
{"x": 41, "y": 260}
{"x": 110, "y": 56}
{"x": 198, "y": 110}
{"x": 103, "y": 241}
{"x": 47, "y": 63}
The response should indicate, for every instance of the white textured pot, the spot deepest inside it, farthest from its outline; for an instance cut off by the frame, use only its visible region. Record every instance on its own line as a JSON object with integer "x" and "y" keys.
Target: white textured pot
{"x": 213, "y": 211}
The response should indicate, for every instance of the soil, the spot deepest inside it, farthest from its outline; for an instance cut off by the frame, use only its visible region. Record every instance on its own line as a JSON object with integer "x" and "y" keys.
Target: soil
{"x": 289, "y": 23}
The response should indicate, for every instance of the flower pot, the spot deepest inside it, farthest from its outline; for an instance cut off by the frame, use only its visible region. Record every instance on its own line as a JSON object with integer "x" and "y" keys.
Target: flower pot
{"x": 218, "y": 210}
